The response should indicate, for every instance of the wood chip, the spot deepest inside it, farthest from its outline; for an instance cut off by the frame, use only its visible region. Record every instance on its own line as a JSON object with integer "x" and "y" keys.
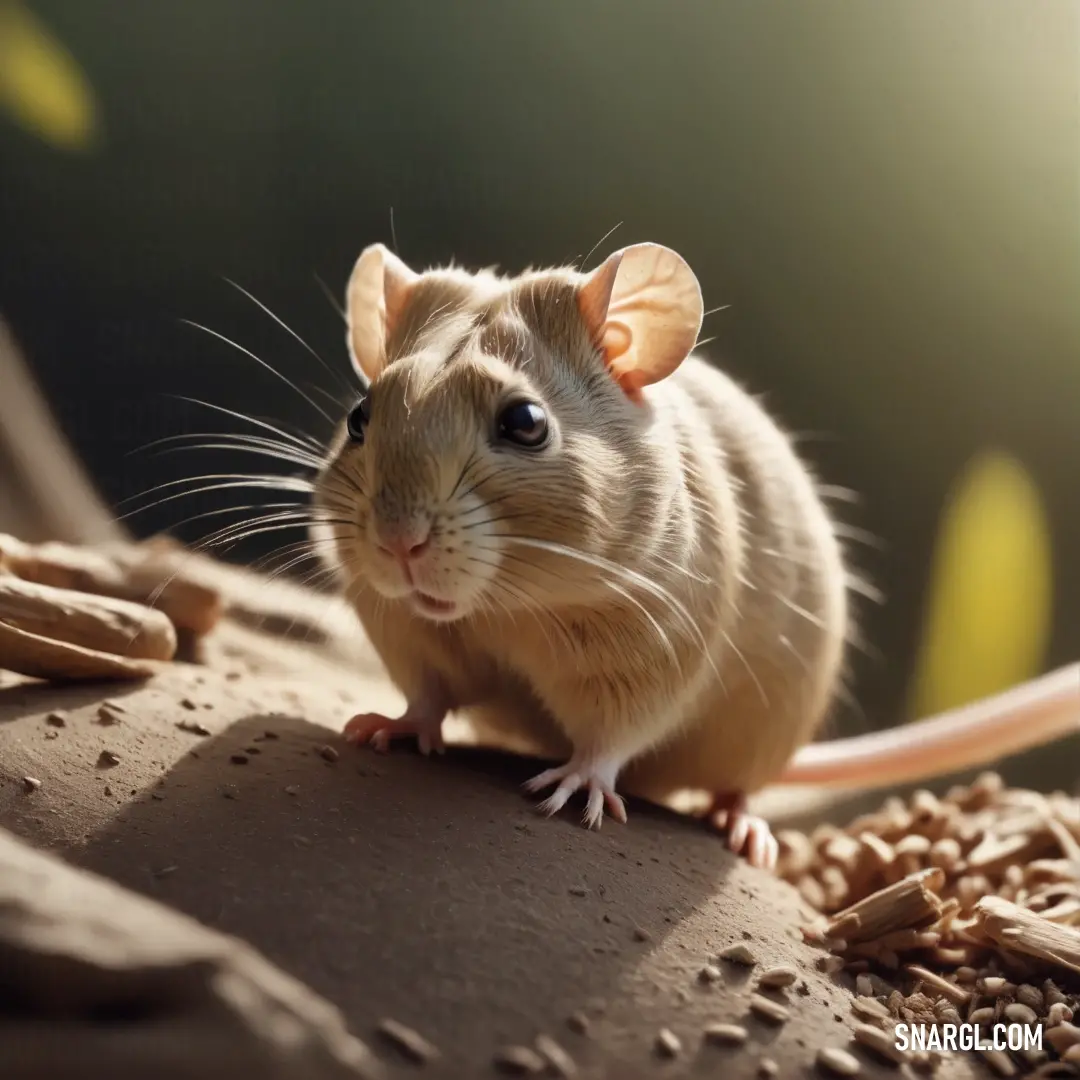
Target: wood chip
{"x": 726, "y": 1034}
{"x": 558, "y": 1060}
{"x": 668, "y": 1044}
{"x": 411, "y": 1043}
{"x": 519, "y": 1061}
{"x": 779, "y": 977}
{"x": 956, "y": 994}
{"x": 909, "y": 902}
{"x": 881, "y": 1043}
{"x": 1027, "y": 932}
{"x": 766, "y": 1009}
{"x": 838, "y": 1062}
{"x": 31, "y": 783}
{"x": 739, "y": 954}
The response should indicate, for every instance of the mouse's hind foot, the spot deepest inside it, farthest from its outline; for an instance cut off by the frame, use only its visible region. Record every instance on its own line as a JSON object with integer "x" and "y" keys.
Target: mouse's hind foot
{"x": 747, "y": 834}
{"x": 598, "y": 778}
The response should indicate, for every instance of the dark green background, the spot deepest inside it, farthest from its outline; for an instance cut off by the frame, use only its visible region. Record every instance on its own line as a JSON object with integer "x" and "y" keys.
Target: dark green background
{"x": 885, "y": 193}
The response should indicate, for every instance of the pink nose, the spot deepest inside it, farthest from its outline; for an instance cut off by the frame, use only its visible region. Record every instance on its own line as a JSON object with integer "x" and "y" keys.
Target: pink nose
{"x": 404, "y": 546}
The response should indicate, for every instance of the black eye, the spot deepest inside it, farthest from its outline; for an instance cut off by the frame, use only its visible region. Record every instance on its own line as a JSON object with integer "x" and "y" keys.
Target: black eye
{"x": 357, "y": 421}
{"x": 524, "y": 423}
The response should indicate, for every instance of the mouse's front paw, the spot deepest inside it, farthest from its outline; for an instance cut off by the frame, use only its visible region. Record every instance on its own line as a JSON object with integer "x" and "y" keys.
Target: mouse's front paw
{"x": 378, "y": 730}
{"x": 573, "y": 776}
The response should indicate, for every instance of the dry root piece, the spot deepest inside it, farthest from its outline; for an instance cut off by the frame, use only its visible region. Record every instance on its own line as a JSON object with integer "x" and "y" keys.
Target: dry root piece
{"x": 138, "y": 573}
{"x": 99, "y": 623}
{"x": 43, "y": 658}
{"x": 907, "y": 905}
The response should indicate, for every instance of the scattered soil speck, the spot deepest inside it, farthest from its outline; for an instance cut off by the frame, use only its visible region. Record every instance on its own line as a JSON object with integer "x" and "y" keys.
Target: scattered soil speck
{"x": 668, "y": 1044}
{"x": 411, "y": 1043}
{"x": 578, "y": 890}
{"x": 578, "y": 1023}
{"x": 109, "y": 758}
{"x": 165, "y": 871}
{"x": 187, "y": 703}
{"x": 108, "y": 714}
{"x": 193, "y": 726}
{"x": 56, "y": 719}
{"x": 238, "y": 759}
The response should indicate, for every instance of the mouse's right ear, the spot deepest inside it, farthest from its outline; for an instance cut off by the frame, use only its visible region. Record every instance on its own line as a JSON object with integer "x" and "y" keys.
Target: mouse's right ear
{"x": 378, "y": 289}
{"x": 643, "y": 307}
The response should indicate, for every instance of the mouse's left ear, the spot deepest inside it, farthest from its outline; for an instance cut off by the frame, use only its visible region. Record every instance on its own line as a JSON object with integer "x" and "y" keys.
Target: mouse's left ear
{"x": 643, "y": 307}
{"x": 378, "y": 290}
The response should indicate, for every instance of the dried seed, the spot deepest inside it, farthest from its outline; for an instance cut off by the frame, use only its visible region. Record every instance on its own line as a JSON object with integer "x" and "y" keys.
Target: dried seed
{"x": 882, "y": 1043}
{"x": 558, "y": 1060}
{"x": 239, "y": 759}
{"x": 829, "y": 964}
{"x": 739, "y": 954}
{"x": 726, "y": 1034}
{"x": 1059, "y": 1013}
{"x": 292, "y": 789}
{"x": 108, "y": 757}
{"x": 767, "y": 1069}
{"x": 1021, "y": 1014}
{"x": 187, "y": 703}
{"x": 56, "y": 719}
{"x": 668, "y": 1043}
{"x": 999, "y": 1062}
{"x": 710, "y": 973}
{"x": 982, "y": 1016}
{"x": 1063, "y": 1037}
{"x": 31, "y": 783}
{"x": 410, "y": 1042}
{"x": 193, "y": 726}
{"x": 778, "y": 978}
{"x": 767, "y": 1009}
{"x": 869, "y": 1008}
{"x": 863, "y": 986}
{"x": 641, "y": 934}
{"x": 838, "y": 1062}
{"x": 328, "y": 753}
{"x": 519, "y": 1061}
{"x": 578, "y": 1023}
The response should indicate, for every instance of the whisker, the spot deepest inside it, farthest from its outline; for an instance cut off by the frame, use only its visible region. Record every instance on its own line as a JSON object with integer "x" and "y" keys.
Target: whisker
{"x": 289, "y": 330}
{"x": 305, "y": 442}
{"x": 262, "y": 363}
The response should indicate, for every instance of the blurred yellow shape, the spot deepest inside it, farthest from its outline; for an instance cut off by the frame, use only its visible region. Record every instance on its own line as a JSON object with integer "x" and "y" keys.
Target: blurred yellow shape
{"x": 41, "y": 85}
{"x": 988, "y": 621}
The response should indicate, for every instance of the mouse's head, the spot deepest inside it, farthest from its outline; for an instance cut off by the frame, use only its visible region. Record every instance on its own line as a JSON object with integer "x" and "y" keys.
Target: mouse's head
{"x": 504, "y": 440}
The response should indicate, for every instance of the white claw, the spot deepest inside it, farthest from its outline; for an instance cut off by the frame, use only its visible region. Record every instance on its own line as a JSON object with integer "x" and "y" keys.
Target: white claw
{"x": 597, "y": 779}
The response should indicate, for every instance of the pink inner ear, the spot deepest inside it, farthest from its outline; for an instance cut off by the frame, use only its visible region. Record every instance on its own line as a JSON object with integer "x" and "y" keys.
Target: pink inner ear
{"x": 594, "y": 297}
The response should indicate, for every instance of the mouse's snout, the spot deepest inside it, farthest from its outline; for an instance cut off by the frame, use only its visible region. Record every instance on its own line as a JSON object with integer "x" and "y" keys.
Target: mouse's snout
{"x": 403, "y": 540}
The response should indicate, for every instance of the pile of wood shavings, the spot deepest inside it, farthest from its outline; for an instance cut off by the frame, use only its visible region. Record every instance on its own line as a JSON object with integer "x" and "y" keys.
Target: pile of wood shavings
{"x": 964, "y": 909}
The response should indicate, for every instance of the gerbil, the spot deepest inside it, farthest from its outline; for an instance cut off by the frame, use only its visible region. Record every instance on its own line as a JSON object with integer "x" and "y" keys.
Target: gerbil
{"x": 552, "y": 518}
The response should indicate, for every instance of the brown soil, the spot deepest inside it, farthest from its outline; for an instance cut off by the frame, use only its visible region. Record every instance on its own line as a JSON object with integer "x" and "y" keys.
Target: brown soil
{"x": 427, "y": 892}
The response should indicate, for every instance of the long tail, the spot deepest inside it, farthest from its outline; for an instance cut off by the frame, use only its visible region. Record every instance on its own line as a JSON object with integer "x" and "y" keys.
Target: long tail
{"x": 1026, "y": 716}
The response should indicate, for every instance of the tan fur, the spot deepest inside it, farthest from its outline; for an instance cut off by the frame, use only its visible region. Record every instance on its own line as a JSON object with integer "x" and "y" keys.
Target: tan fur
{"x": 706, "y": 661}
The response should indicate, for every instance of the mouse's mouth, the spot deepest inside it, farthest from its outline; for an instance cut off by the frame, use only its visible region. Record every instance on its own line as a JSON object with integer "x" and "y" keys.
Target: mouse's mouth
{"x": 431, "y": 606}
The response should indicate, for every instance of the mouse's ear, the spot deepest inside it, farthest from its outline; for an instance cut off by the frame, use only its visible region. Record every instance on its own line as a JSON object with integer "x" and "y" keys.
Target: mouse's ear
{"x": 378, "y": 288}
{"x": 643, "y": 307}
